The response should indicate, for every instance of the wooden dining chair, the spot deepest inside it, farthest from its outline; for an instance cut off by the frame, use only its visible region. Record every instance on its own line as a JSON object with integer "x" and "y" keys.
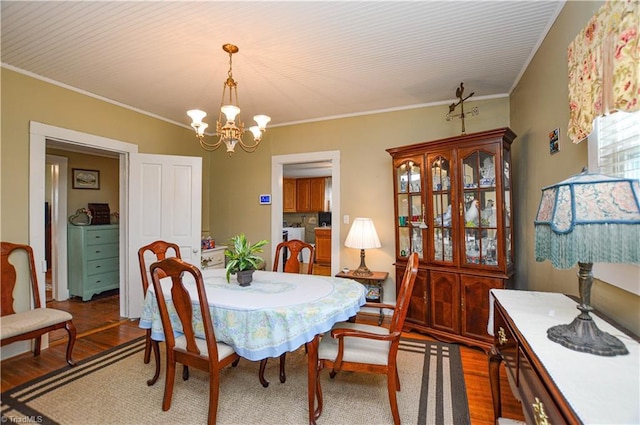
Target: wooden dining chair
{"x": 367, "y": 348}
{"x": 157, "y": 251}
{"x": 295, "y": 249}
{"x": 36, "y": 321}
{"x": 204, "y": 354}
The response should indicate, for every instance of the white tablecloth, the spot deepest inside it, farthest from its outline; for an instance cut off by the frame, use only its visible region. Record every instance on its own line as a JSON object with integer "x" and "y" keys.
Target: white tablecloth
{"x": 277, "y": 313}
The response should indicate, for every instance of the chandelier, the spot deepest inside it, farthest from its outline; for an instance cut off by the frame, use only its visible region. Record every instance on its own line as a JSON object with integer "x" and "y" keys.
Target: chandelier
{"x": 228, "y": 130}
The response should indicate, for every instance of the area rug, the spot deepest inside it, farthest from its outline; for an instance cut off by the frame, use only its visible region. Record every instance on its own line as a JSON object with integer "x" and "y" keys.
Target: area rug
{"x": 110, "y": 388}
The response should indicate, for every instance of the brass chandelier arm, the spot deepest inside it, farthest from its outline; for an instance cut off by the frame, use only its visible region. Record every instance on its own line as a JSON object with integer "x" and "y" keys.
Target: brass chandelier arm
{"x": 213, "y": 146}
{"x": 208, "y": 146}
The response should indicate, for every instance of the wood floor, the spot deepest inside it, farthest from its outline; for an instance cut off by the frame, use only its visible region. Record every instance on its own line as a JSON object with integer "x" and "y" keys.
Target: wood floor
{"x": 100, "y": 327}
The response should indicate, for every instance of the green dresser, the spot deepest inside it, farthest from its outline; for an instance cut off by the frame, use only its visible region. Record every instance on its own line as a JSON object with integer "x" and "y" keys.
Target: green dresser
{"x": 93, "y": 259}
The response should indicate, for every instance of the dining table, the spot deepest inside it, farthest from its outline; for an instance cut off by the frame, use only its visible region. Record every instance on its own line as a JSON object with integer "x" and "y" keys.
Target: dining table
{"x": 277, "y": 313}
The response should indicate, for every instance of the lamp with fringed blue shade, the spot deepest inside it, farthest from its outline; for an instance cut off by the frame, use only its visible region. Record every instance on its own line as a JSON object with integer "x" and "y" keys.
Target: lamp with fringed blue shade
{"x": 585, "y": 219}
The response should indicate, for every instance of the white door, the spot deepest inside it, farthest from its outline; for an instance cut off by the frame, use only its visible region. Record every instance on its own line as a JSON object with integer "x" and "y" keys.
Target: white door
{"x": 165, "y": 204}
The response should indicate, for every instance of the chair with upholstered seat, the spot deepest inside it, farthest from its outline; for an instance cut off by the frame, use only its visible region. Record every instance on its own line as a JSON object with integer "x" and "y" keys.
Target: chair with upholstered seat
{"x": 37, "y": 321}
{"x": 204, "y": 354}
{"x": 293, "y": 264}
{"x": 155, "y": 251}
{"x": 359, "y": 347}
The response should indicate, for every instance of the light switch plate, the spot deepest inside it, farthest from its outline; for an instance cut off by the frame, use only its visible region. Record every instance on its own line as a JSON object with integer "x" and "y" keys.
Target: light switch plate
{"x": 345, "y": 219}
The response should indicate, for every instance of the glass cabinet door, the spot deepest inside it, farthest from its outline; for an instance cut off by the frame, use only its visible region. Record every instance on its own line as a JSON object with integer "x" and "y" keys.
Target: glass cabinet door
{"x": 443, "y": 213}
{"x": 410, "y": 208}
{"x": 506, "y": 185}
{"x": 478, "y": 209}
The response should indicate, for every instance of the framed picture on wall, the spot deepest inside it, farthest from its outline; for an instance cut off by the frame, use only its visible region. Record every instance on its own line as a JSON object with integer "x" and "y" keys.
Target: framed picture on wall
{"x": 86, "y": 179}
{"x": 554, "y": 141}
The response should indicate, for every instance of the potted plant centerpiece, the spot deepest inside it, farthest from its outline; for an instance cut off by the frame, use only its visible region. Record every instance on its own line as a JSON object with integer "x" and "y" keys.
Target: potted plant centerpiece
{"x": 243, "y": 259}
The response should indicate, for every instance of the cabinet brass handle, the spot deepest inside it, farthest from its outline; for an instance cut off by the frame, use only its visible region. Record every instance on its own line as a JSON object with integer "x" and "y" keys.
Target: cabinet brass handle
{"x": 540, "y": 416}
{"x": 502, "y": 336}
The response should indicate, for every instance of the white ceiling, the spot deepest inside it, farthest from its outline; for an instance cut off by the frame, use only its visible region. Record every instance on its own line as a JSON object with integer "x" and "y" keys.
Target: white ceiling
{"x": 298, "y": 61}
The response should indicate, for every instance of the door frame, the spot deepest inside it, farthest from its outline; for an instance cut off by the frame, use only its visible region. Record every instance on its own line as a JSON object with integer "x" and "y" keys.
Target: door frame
{"x": 39, "y": 133}
{"x": 58, "y": 189}
{"x": 277, "y": 175}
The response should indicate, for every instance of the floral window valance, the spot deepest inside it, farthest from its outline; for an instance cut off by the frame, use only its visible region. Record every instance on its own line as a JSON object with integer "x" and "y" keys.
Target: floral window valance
{"x": 604, "y": 66}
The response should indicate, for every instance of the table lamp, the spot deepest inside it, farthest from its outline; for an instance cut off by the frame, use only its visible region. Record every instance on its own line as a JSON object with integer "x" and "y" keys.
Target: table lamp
{"x": 584, "y": 219}
{"x": 362, "y": 236}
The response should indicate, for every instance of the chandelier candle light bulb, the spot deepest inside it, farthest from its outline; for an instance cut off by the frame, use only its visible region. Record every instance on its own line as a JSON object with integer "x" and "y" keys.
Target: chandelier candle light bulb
{"x": 227, "y": 130}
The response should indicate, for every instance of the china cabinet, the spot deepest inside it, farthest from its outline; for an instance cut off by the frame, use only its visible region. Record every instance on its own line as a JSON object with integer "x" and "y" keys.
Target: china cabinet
{"x": 453, "y": 206}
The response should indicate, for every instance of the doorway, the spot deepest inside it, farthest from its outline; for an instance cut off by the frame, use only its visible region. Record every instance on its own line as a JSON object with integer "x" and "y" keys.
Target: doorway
{"x": 102, "y": 308}
{"x": 42, "y": 136}
{"x": 278, "y": 164}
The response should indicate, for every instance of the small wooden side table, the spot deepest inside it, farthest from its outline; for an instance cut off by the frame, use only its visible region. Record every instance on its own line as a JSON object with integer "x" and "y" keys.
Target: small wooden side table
{"x": 373, "y": 283}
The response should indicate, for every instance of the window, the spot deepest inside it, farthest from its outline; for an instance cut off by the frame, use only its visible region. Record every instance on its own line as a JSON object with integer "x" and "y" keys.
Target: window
{"x": 614, "y": 149}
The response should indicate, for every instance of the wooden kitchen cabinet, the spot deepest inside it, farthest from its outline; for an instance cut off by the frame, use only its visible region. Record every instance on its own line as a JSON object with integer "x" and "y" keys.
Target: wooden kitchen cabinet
{"x": 323, "y": 246}
{"x": 303, "y": 195}
{"x": 453, "y": 206}
{"x": 289, "y": 195}
{"x": 309, "y": 194}
{"x": 316, "y": 193}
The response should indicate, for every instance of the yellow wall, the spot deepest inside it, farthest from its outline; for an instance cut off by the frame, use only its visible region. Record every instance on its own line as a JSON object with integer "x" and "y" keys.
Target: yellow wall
{"x": 365, "y": 171}
{"x": 539, "y": 105}
{"x": 25, "y": 99}
{"x": 109, "y": 180}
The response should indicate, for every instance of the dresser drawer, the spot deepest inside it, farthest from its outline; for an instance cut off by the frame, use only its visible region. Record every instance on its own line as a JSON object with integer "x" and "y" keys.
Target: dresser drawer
{"x": 102, "y": 266}
{"x": 99, "y": 282}
{"x": 506, "y": 342}
{"x": 538, "y": 405}
{"x": 97, "y": 252}
{"x": 99, "y": 236}
{"x": 213, "y": 258}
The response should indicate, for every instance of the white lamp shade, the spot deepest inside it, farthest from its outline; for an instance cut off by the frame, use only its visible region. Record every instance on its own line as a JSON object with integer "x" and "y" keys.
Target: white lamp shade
{"x": 230, "y": 111}
{"x": 200, "y": 128}
{"x": 262, "y": 121}
{"x": 196, "y": 115}
{"x": 362, "y": 235}
{"x": 257, "y": 134}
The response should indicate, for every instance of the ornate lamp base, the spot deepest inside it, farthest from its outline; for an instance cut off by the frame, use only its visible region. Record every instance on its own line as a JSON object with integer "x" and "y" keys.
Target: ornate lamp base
{"x": 582, "y": 334}
{"x": 363, "y": 270}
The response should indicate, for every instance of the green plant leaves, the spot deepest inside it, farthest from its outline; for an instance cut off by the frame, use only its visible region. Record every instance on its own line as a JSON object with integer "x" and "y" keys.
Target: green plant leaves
{"x": 243, "y": 256}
